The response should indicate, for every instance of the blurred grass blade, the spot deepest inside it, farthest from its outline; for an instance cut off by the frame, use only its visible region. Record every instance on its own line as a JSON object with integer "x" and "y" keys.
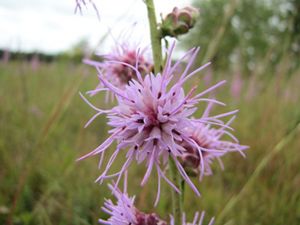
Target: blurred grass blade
{"x": 263, "y": 163}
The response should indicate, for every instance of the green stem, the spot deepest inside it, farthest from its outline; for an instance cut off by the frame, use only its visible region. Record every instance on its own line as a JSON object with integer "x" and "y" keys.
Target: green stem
{"x": 177, "y": 199}
{"x": 155, "y": 37}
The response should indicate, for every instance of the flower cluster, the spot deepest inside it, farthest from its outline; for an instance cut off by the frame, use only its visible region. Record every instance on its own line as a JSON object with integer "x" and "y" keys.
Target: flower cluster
{"x": 153, "y": 123}
{"x": 115, "y": 69}
{"x": 124, "y": 212}
{"x": 207, "y": 144}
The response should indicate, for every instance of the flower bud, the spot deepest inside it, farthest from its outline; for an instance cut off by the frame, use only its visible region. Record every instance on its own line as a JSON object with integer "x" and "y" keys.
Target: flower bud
{"x": 179, "y": 21}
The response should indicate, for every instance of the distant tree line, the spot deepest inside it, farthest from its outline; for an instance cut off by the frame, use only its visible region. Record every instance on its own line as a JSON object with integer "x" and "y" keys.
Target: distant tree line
{"x": 12, "y": 55}
{"x": 75, "y": 54}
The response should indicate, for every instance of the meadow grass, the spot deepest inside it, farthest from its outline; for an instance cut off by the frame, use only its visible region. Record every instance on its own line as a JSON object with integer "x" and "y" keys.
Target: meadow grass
{"x": 41, "y": 135}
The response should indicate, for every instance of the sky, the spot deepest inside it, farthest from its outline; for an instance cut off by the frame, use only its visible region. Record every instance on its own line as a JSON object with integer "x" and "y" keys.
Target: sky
{"x": 51, "y": 26}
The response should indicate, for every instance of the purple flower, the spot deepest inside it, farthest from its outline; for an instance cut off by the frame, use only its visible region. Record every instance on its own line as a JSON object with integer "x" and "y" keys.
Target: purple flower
{"x": 207, "y": 144}
{"x": 119, "y": 74}
{"x": 151, "y": 120}
{"x": 236, "y": 85}
{"x": 123, "y": 212}
{"x": 6, "y": 56}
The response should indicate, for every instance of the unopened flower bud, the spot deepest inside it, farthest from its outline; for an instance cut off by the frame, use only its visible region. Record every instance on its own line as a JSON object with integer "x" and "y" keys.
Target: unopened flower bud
{"x": 179, "y": 21}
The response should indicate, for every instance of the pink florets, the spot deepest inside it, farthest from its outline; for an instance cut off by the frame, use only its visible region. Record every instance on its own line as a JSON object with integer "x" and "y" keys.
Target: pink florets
{"x": 236, "y": 86}
{"x": 119, "y": 74}
{"x": 207, "y": 144}
{"x": 124, "y": 212}
{"x": 153, "y": 120}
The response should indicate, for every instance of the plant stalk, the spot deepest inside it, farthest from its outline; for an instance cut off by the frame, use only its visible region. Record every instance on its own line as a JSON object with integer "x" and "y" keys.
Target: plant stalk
{"x": 155, "y": 36}
{"x": 177, "y": 199}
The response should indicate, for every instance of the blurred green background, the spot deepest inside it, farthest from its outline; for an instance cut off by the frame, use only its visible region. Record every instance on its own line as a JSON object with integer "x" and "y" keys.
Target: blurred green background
{"x": 253, "y": 44}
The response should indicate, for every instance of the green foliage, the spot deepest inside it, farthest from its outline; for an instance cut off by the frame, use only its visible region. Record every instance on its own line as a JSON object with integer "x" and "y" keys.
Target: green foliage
{"x": 245, "y": 32}
{"x": 42, "y": 134}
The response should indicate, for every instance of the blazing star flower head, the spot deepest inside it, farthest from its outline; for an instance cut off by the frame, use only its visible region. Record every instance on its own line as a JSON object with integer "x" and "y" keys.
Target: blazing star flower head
{"x": 197, "y": 220}
{"x": 124, "y": 211}
{"x": 207, "y": 144}
{"x": 151, "y": 120}
{"x": 119, "y": 74}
